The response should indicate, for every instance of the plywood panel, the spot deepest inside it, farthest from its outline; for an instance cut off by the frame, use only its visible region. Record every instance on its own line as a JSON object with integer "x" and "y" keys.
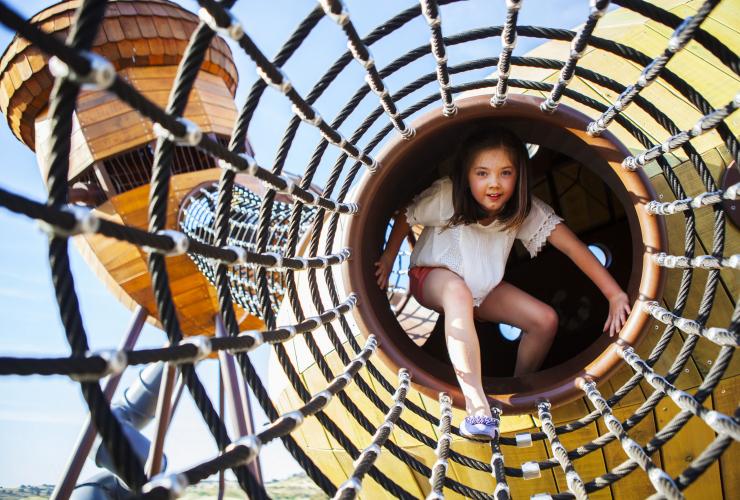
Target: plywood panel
{"x": 685, "y": 446}
{"x": 315, "y": 382}
{"x": 705, "y": 352}
{"x": 395, "y": 470}
{"x": 636, "y": 484}
{"x": 524, "y": 488}
{"x": 623, "y": 374}
{"x": 725, "y": 398}
{"x": 689, "y": 376}
{"x": 569, "y": 412}
{"x": 589, "y": 466}
{"x": 327, "y": 461}
{"x": 126, "y": 124}
{"x": 104, "y": 105}
{"x": 122, "y": 140}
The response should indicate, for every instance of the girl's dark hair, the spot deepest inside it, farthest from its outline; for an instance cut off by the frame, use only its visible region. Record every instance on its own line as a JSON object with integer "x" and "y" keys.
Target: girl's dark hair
{"x": 466, "y": 209}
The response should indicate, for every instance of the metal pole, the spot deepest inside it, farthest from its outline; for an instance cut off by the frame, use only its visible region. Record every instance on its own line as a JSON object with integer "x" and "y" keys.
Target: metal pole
{"x": 86, "y": 438}
{"x": 164, "y": 406}
{"x": 238, "y": 402}
{"x": 178, "y": 392}
{"x": 221, "y": 475}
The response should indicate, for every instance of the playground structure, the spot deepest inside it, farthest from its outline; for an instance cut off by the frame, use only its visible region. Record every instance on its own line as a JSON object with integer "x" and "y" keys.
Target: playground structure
{"x": 645, "y": 196}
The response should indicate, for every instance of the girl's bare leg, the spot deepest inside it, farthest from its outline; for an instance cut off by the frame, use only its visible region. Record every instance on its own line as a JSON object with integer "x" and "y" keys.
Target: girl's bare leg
{"x": 445, "y": 291}
{"x": 538, "y": 321}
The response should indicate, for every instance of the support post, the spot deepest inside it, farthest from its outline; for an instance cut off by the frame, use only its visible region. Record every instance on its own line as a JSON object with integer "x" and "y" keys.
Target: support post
{"x": 221, "y": 404}
{"x": 238, "y": 397}
{"x": 164, "y": 413}
{"x": 86, "y": 439}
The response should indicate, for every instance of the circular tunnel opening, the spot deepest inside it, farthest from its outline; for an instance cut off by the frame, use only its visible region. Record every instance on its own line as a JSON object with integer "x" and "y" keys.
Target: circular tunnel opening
{"x": 581, "y": 178}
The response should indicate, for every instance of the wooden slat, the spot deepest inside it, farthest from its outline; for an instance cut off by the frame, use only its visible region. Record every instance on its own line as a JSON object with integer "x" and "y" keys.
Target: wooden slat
{"x": 623, "y": 374}
{"x": 151, "y": 72}
{"x": 80, "y": 156}
{"x": 588, "y": 467}
{"x": 97, "y": 106}
{"x": 685, "y": 446}
{"x": 524, "y": 488}
{"x": 636, "y": 484}
{"x": 689, "y": 377}
{"x": 117, "y": 141}
{"x": 705, "y": 351}
{"x": 128, "y": 120}
{"x": 725, "y": 398}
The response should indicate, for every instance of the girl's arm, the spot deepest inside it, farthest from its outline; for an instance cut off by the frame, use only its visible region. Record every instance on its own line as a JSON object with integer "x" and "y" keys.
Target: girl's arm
{"x": 388, "y": 257}
{"x": 567, "y": 242}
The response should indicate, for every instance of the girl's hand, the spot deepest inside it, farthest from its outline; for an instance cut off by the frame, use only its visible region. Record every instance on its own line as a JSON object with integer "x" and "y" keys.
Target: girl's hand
{"x": 384, "y": 268}
{"x": 619, "y": 308}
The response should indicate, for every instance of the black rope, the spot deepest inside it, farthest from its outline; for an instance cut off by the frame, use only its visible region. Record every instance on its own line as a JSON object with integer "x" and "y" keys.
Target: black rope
{"x": 61, "y": 107}
{"x": 88, "y": 367}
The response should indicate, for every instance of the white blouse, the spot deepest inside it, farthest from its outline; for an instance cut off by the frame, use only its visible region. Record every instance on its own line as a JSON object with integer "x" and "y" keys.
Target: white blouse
{"x": 475, "y": 252}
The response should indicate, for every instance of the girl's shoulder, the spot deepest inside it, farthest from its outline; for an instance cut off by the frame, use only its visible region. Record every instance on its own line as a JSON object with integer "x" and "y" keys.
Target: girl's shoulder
{"x": 443, "y": 183}
{"x": 444, "y": 186}
{"x": 433, "y": 206}
{"x": 539, "y": 209}
{"x": 440, "y": 188}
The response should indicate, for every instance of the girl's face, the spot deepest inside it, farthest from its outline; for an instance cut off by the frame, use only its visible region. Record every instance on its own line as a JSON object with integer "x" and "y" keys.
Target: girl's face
{"x": 492, "y": 178}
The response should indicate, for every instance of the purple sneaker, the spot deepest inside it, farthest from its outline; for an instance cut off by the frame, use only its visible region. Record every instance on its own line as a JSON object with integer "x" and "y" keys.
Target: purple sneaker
{"x": 479, "y": 428}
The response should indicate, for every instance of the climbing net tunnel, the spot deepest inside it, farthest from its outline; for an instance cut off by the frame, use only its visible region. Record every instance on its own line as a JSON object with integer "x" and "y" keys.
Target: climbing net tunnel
{"x": 614, "y": 418}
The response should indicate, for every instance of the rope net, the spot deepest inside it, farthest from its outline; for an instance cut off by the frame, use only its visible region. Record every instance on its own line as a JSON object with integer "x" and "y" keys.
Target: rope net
{"x": 232, "y": 246}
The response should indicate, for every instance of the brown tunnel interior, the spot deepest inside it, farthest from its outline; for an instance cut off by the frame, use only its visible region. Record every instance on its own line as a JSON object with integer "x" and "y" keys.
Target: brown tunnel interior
{"x": 569, "y": 173}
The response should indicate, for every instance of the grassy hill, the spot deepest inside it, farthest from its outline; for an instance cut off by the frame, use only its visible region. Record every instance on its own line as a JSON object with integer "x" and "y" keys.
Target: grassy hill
{"x": 297, "y": 487}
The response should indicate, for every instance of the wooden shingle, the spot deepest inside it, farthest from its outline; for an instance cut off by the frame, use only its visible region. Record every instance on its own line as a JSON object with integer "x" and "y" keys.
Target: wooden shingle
{"x": 146, "y": 25}
{"x": 113, "y": 29}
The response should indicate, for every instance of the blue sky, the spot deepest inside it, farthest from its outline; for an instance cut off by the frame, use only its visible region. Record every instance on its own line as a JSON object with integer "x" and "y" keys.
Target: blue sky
{"x": 40, "y": 417}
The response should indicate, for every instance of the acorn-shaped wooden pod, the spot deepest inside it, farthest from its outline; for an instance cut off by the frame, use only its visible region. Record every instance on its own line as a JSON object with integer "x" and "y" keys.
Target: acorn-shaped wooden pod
{"x": 112, "y": 144}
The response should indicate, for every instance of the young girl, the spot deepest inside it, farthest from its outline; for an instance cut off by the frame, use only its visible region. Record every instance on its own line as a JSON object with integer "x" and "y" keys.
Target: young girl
{"x": 470, "y": 222}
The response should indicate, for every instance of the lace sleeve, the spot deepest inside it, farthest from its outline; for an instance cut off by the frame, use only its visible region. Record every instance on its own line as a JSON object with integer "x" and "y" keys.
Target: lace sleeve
{"x": 538, "y": 225}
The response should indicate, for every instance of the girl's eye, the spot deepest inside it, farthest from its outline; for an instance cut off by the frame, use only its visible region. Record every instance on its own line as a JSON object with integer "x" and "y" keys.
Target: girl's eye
{"x": 482, "y": 173}
{"x": 507, "y": 172}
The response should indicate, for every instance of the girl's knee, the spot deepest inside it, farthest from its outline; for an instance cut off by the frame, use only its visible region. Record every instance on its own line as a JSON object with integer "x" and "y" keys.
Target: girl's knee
{"x": 549, "y": 321}
{"x": 456, "y": 292}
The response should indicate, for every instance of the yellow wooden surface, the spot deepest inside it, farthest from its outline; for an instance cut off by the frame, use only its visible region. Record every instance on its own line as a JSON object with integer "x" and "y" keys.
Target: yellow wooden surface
{"x": 725, "y": 399}
{"x": 588, "y": 467}
{"x": 713, "y": 81}
{"x": 636, "y": 484}
{"x": 685, "y": 446}
{"x": 524, "y": 488}
{"x": 705, "y": 352}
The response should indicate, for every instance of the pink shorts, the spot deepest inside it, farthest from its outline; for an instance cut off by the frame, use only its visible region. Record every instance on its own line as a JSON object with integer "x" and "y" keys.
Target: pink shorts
{"x": 417, "y": 275}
